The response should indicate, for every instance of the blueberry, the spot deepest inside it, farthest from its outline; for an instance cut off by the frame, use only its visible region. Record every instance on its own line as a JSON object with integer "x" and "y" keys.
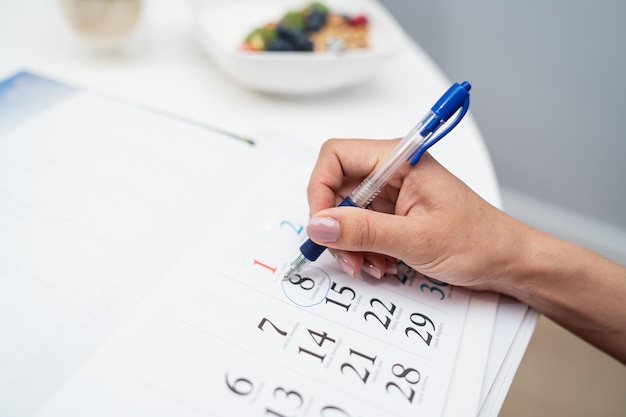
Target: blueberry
{"x": 315, "y": 20}
{"x": 284, "y": 32}
{"x": 301, "y": 41}
{"x": 295, "y": 37}
{"x": 280, "y": 44}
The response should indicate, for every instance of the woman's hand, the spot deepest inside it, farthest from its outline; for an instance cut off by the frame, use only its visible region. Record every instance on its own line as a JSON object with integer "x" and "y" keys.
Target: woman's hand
{"x": 425, "y": 216}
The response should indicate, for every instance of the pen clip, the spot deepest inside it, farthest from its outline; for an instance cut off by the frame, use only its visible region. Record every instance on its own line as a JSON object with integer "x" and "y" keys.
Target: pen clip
{"x": 462, "y": 110}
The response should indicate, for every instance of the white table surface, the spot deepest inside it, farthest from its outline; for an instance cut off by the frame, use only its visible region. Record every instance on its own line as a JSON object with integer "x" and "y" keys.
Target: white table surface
{"x": 162, "y": 67}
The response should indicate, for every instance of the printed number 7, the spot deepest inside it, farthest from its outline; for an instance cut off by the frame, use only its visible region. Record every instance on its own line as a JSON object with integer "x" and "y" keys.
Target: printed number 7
{"x": 265, "y": 320}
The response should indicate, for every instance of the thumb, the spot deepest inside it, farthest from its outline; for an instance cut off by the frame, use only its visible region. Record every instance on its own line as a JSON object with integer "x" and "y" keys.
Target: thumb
{"x": 357, "y": 230}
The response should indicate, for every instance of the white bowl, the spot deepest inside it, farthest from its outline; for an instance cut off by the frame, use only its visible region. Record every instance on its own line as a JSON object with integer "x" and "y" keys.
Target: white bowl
{"x": 222, "y": 26}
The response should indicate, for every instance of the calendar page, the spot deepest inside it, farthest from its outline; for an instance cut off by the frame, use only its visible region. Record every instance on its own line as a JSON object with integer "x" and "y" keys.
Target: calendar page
{"x": 140, "y": 268}
{"x": 225, "y": 335}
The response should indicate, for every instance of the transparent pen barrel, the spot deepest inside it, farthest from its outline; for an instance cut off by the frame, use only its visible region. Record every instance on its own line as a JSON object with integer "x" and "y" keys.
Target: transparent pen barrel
{"x": 363, "y": 195}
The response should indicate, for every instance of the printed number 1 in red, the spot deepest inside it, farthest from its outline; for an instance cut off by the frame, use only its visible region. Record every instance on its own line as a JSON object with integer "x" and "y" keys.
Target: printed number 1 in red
{"x": 273, "y": 269}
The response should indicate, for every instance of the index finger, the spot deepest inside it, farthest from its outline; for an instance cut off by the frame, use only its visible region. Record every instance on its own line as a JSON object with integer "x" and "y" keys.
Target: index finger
{"x": 341, "y": 165}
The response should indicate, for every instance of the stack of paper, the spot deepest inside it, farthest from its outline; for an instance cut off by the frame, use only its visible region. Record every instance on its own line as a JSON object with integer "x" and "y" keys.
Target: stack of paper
{"x": 138, "y": 259}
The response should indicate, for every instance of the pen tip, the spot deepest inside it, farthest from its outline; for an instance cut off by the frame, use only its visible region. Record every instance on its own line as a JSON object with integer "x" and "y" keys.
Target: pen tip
{"x": 295, "y": 266}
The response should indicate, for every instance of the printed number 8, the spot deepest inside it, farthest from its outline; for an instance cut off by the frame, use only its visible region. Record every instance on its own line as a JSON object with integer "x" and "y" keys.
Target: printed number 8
{"x": 304, "y": 283}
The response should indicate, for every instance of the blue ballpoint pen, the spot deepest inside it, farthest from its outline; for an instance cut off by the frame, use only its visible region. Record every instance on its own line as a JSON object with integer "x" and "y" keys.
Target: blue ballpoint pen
{"x": 408, "y": 150}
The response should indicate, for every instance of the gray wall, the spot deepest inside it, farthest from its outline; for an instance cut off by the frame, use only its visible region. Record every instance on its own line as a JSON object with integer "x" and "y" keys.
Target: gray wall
{"x": 549, "y": 91}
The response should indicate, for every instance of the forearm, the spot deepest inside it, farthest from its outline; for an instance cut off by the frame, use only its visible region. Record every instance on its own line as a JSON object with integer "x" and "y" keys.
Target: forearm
{"x": 573, "y": 286}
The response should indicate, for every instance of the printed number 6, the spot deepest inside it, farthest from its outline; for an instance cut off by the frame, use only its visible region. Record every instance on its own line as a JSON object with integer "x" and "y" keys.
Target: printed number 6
{"x": 241, "y": 386}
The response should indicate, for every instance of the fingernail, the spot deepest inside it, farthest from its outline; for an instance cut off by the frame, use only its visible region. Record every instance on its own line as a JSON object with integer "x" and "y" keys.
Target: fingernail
{"x": 323, "y": 229}
{"x": 392, "y": 268}
{"x": 370, "y": 269}
{"x": 345, "y": 266}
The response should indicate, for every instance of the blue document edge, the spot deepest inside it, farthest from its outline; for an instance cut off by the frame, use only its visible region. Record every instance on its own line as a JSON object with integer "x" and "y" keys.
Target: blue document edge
{"x": 24, "y": 95}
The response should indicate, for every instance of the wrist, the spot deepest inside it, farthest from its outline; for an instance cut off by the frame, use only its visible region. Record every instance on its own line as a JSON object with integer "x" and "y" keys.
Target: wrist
{"x": 538, "y": 266}
{"x": 572, "y": 285}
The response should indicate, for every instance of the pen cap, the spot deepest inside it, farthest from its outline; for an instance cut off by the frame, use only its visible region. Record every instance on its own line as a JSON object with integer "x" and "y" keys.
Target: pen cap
{"x": 452, "y": 100}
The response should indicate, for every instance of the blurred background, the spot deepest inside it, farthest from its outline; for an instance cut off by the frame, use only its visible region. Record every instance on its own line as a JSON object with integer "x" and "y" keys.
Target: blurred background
{"x": 549, "y": 86}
